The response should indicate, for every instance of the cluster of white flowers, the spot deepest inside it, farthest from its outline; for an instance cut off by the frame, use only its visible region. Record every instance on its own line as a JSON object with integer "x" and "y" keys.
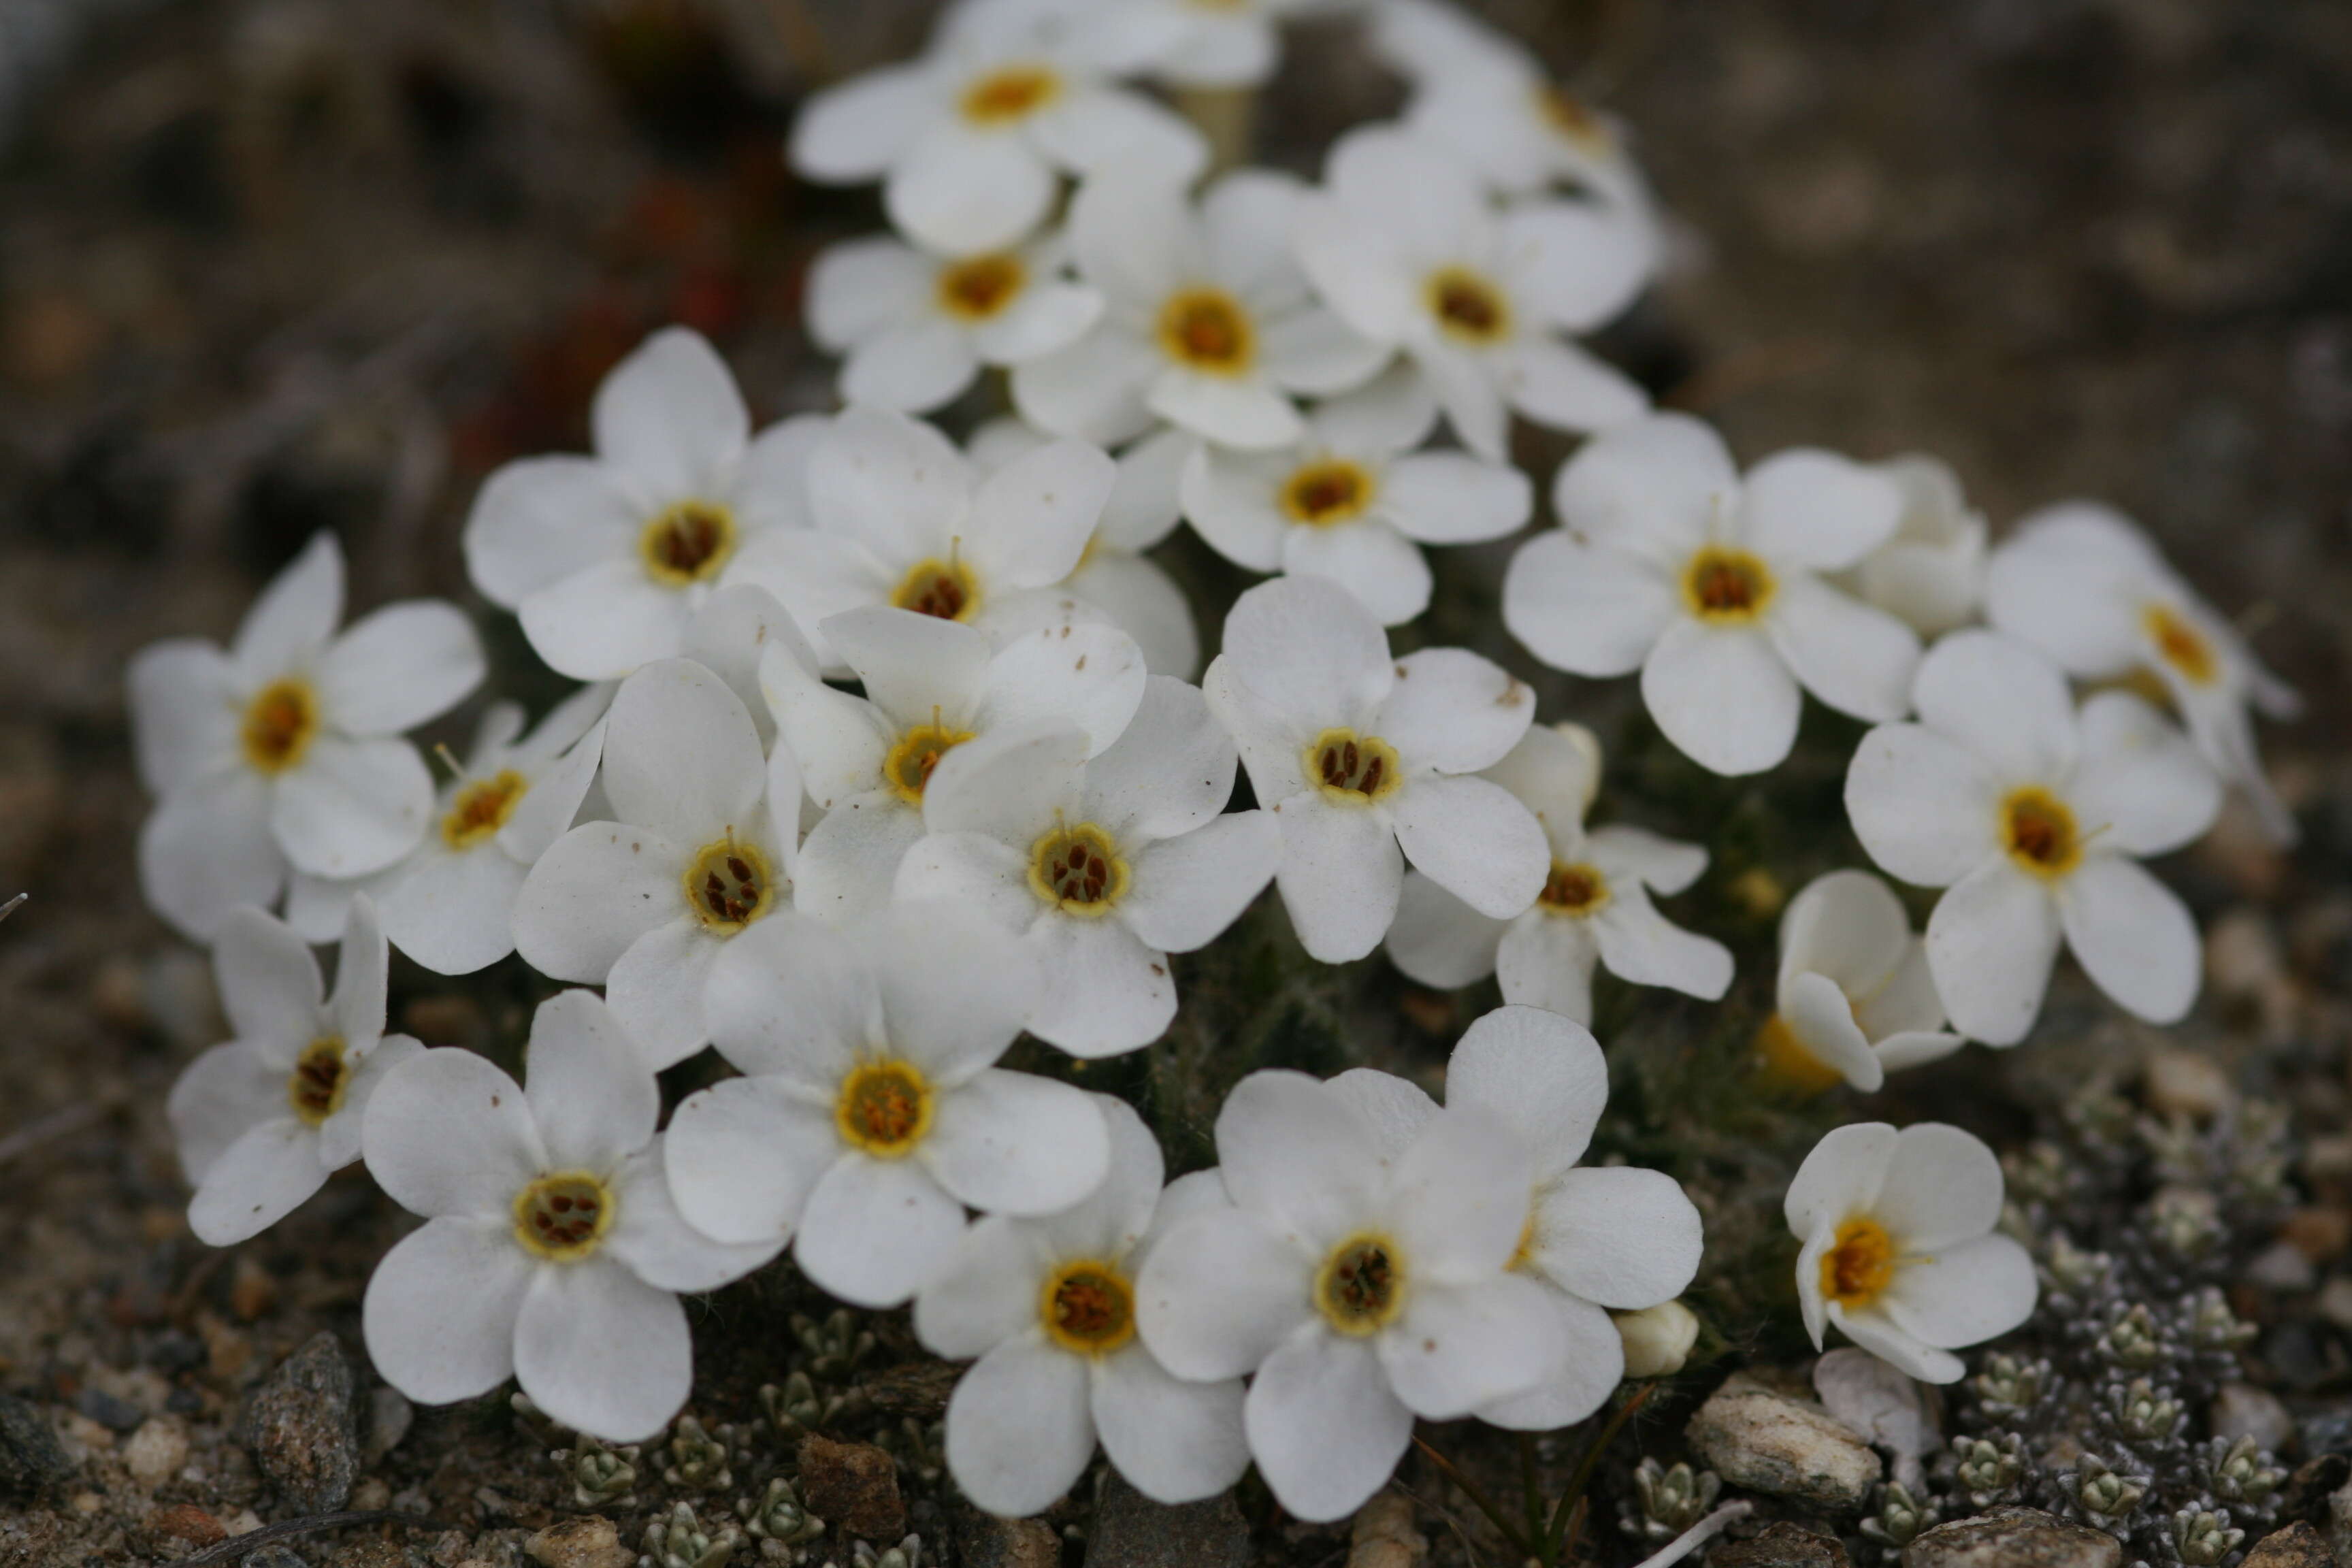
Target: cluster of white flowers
{"x": 891, "y": 753}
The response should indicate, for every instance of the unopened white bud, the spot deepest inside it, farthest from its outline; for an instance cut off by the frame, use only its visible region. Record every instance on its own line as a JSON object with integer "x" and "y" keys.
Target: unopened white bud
{"x": 1658, "y": 1339}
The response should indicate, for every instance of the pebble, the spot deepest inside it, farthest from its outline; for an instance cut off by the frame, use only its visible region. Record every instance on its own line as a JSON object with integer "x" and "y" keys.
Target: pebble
{"x": 2187, "y": 1083}
{"x": 156, "y": 1451}
{"x": 183, "y": 1528}
{"x": 2242, "y": 1410}
{"x": 369, "y": 1554}
{"x": 853, "y": 1486}
{"x": 32, "y": 1460}
{"x": 302, "y": 1426}
{"x": 2335, "y": 1301}
{"x": 2318, "y": 1231}
{"x": 2296, "y": 1546}
{"x": 275, "y": 1556}
{"x": 1781, "y": 1545}
{"x": 390, "y": 1416}
{"x": 587, "y": 1542}
{"x": 1767, "y": 1442}
{"x": 1384, "y": 1537}
{"x": 114, "y": 1413}
{"x": 371, "y": 1496}
{"x": 985, "y": 1540}
{"x": 1133, "y": 1531}
{"x": 2013, "y": 1538}
{"x": 2282, "y": 1266}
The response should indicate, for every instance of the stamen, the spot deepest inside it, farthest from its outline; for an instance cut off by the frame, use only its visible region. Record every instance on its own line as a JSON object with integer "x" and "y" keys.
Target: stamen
{"x": 727, "y": 885}
{"x": 1726, "y": 586}
{"x": 689, "y": 543}
{"x": 907, "y": 768}
{"x": 563, "y": 1217}
{"x": 315, "y": 1089}
{"x": 1207, "y": 330}
{"x": 980, "y": 288}
{"x": 1009, "y": 93}
{"x": 2040, "y": 833}
{"x": 885, "y": 1107}
{"x": 1860, "y": 1264}
{"x": 1087, "y": 1307}
{"x": 1328, "y": 492}
{"x": 1579, "y": 889}
{"x": 1078, "y": 869}
{"x": 1469, "y": 308}
{"x": 2180, "y": 644}
{"x": 1360, "y": 1287}
{"x": 1353, "y": 769}
{"x": 946, "y": 589}
{"x": 279, "y": 724}
{"x": 482, "y": 808}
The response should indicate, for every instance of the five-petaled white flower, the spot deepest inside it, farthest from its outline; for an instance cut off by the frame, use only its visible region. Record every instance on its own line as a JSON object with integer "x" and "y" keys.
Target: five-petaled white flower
{"x": 1899, "y": 1246}
{"x": 1407, "y": 251}
{"x": 932, "y": 688}
{"x": 1361, "y": 1291}
{"x": 970, "y": 138}
{"x": 1357, "y": 754}
{"x": 917, "y": 327}
{"x": 1594, "y": 907}
{"x": 606, "y": 559}
{"x": 2085, "y": 586}
{"x": 694, "y": 856}
{"x": 1669, "y": 561}
{"x": 1048, "y": 1307}
{"x": 1106, "y": 866}
{"x": 1352, "y": 501}
{"x": 551, "y": 1251}
{"x": 903, "y": 519}
{"x": 1208, "y": 321}
{"x": 2034, "y": 815}
{"x": 873, "y": 1111}
{"x": 1856, "y": 998}
{"x": 1593, "y": 1236}
{"x": 1931, "y": 573}
{"x": 263, "y": 1120}
{"x": 283, "y": 751}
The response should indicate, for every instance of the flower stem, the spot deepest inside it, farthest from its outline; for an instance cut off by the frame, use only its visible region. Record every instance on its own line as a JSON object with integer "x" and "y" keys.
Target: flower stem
{"x": 1554, "y": 1536}
{"x": 1476, "y": 1494}
{"x": 1531, "y": 1486}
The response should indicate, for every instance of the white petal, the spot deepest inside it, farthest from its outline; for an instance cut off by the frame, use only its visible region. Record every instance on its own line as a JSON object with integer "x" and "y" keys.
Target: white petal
{"x": 1992, "y": 941}
{"x": 1849, "y": 926}
{"x": 656, "y": 987}
{"x": 1271, "y": 742}
{"x": 1011, "y": 1143}
{"x": 1371, "y": 559}
{"x": 1296, "y": 1156}
{"x": 1586, "y": 608}
{"x": 2001, "y": 700}
{"x": 914, "y": 368}
{"x": 1723, "y": 698}
{"x": 541, "y": 520}
{"x": 876, "y": 1230}
{"x": 1108, "y": 992}
{"x": 771, "y": 488}
{"x": 453, "y": 912}
{"x": 850, "y": 860}
{"x": 2134, "y": 936}
{"x": 1576, "y": 264}
{"x": 1019, "y": 1430}
{"x": 1174, "y": 1441}
{"x": 596, "y": 891}
{"x": 1359, "y": 271}
{"x": 602, "y": 1351}
{"x": 1229, "y": 498}
{"x": 955, "y": 987}
{"x": 257, "y": 1181}
{"x": 669, "y": 417}
{"x": 355, "y": 1009}
{"x": 1247, "y": 218}
{"x": 1568, "y": 387}
{"x": 1819, "y": 1016}
{"x": 449, "y": 1133}
{"x": 208, "y": 849}
{"x": 184, "y": 702}
{"x": 1452, "y": 711}
{"x": 394, "y": 670}
{"x": 1592, "y": 1365}
{"x": 853, "y": 131}
{"x": 742, "y": 1157}
{"x": 1096, "y": 131}
{"x": 439, "y": 1317}
{"x": 1542, "y": 1075}
{"x": 1469, "y": 388}
{"x": 270, "y": 987}
{"x": 1618, "y": 1236}
{"x": 1473, "y": 839}
{"x": 1087, "y": 676}
{"x": 796, "y": 996}
{"x": 988, "y": 1292}
{"x": 1965, "y": 1294}
{"x": 1856, "y": 657}
{"x": 860, "y": 287}
{"x": 1661, "y": 864}
{"x": 1394, "y": 412}
{"x": 1324, "y": 1429}
{"x": 1457, "y": 1199}
{"x": 1046, "y": 316}
{"x": 1238, "y": 411}
{"x": 1314, "y": 351}
{"x": 1817, "y": 511}
{"x": 1449, "y": 498}
{"x": 1188, "y": 890}
{"x": 960, "y": 193}
{"x": 289, "y": 625}
{"x": 1556, "y": 770}
{"x": 733, "y": 633}
{"x": 909, "y": 665}
{"x": 1876, "y": 1333}
{"x": 1113, "y": 1220}
{"x": 894, "y": 484}
{"x": 1547, "y": 962}
{"x": 1170, "y": 771}
{"x": 1437, "y": 939}
{"x": 353, "y": 807}
{"x": 1218, "y": 1292}
{"x": 590, "y": 1093}
{"x": 1840, "y": 1177}
{"x": 1920, "y": 805}
{"x": 1308, "y": 649}
{"x": 1639, "y": 944}
{"x": 1459, "y": 1346}
{"x": 657, "y": 1244}
{"x": 2070, "y": 580}
{"x": 1341, "y": 875}
{"x": 2140, "y": 786}
{"x": 1092, "y": 390}
{"x": 221, "y": 1096}
{"x": 1427, "y": 201}
{"x": 1143, "y": 506}
{"x": 1943, "y": 1187}
{"x": 602, "y": 622}
{"x": 1654, "y": 487}
{"x": 1395, "y": 1111}
{"x": 1032, "y": 518}
{"x": 681, "y": 758}
{"x": 837, "y": 739}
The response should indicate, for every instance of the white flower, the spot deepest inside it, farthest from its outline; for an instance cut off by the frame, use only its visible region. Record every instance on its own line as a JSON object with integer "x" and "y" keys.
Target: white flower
{"x": 1114, "y": 575}
{"x": 1105, "y": 867}
{"x": 1900, "y": 1246}
{"x": 1657, "y": 1340}
{"x": 1352, "y": 501}
{"x": 644, "y": 903}
{"x": 1668, "y": 560}
{"x": 873, "y": 1111}
{"x": 1357, "y": 754}
{"x": 1856, "y": 999}
{"x": 917, "y": 327}
{"x": 2034, "y": 817}
{"x": 970, "y": 137}
{"x": 282, "y": 749}
{"x": 903, "y": 519}
{"x": 1048, "y": 1307}
{"x": 1208, "y": 321}
{"x": 1428, "y": 41}
{"x": 263, "y": 1120}
{"x": 1206, "y": 43}
{"x": 1592, "y": 1236}
{"x": 2085, "y": 586}
{"x": 1930, "y": 572}
{"x": 1406, "y": 249}
{"x": 1594, "y": 907}
{"x": 932, "y": 688}
{"x": 551, "y": 1251}
{"x": 607, "y": 558}
{"x": 1361, "y": 1291}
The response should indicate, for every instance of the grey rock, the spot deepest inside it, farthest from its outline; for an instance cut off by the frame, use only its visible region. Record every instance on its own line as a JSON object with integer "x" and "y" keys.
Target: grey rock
{"x": 114, "y": 1413}
{"x": 2296, "y": 1546}
{"x": 1781, "y": 1545}
{"x": 2014, "y": 1538}
{"x": 32, "y": 1460}
{"x": 1133, "y": 1531}
{"x": 302, "y": 1426}
{"x": 1767, "y": 1442}
{"x": 2242, "y": 1410}
{"x": 985, "y": 1540}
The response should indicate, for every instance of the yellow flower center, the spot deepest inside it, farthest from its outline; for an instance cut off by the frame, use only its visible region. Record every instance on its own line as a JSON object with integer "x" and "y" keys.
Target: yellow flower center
{"x": 1728, "y": 587}
{"x": 1009, "y": 93}
{"x": 2181, "y": 645}
{"x": 1077, "y": 869}
{"x": 1469, "y": 308}
{"x": 482, "y": 808}
{"x": 315, "y": 1089}
{"x": 1087, "y": 1307}
{"x": 2038, "y": 830}
{"x": 1207, "y": 330}
{"x": 885, "y": 1107}
{"x": 1359, "y": 1289}
{"x": 727, "y": 885}
{"x": 279, "y": 724}
{"x": 943, "y": 588}
{"x": 1573, "y": 890}
{"x": 978, "y": 288}
{"x": 1569, "y": 117}
{"x": 1860, "y": 1264}
{"x": 908, "y": 767}
{"x": 563, "y": 1217}
{"x": 1353, "y": 769}
{"x": 1327, "y": 492}
{"x": 1786, "y": 1060}
{"x": 689, "y": 543}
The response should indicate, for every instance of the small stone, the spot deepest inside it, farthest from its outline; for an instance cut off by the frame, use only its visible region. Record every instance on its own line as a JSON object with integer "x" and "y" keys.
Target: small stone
{"x": 2335, "y": 1302}
{"x": 2187, "y": 1083}
{"x": 156, "y": 1451}
{"x": 369, "y": 1554}
{"x": 2296, "y": 1546}
{"x": 853, "y": 1487}
{"x": 302, "y": 1426}
{"x": 1133, "y": 1531}
{"x": 920, "y": 1389}
{"x": 1781, "y": 1545}
{"x": 116, "y": 1415}
{"x": 32, "y": 1460}
{"x": 389, "y": 1418}
{"x": 2242, "y": 1410}
{"x": 2013, "y": 1538}
{"x": 252, "y": 1289}
{"x": 1767, "y": 1442}
{"x": 2282, "y": 1266}
{"x": 372, "y": 1496}
{"x": 2328, "y": 1157}
{"x": 985, "y": 1540}
{"x": 2318, "y": 1231}
{"x": 588, "y": 1542}
{"x": 1384, "y": 1537}
{"x": 275, "y": 1556}
{"x": 183, "y": 1528}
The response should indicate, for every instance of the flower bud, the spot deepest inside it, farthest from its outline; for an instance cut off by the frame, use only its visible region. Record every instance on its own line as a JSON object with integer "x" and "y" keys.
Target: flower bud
{"x": 1658, "y": 1339}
